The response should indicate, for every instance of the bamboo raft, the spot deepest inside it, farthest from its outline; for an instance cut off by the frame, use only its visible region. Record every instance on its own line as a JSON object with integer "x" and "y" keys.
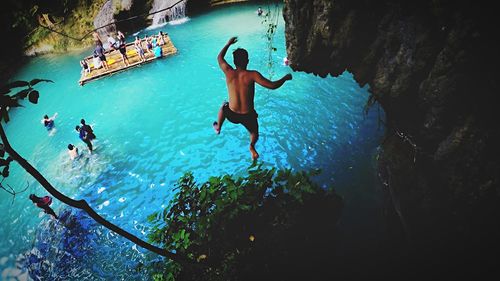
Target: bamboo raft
{"x": 116, "y": 65}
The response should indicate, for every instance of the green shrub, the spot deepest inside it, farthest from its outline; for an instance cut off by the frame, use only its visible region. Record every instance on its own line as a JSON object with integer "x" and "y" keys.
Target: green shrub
{"x": 245, "y": 228}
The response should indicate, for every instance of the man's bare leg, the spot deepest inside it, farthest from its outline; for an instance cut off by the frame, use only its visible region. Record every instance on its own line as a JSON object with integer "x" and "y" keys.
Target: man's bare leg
{"x": 220, "y": 120}
{"x": 254, "y": 137}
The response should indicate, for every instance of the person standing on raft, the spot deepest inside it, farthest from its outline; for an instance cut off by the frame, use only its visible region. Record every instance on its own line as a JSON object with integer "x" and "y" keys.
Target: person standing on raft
{"x": 241, "y": 88}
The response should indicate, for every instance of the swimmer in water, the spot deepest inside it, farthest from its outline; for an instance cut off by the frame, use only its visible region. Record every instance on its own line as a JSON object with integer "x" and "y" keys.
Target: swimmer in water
{"x": 88, "y": 129}
{"x": 286, "y": 62}
{"x": 83, "y": 135}
{"x": 49, "y": 124}
{"x": 73, "y": 152}
{"x": 43, "y": 203}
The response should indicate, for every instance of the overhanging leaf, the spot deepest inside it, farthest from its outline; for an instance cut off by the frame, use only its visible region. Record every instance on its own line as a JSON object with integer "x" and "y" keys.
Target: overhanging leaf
{"x": 5, "y": 115}
{"x": 10, "y": 102}
{"x": 23, "y": 93}
{"x": 5, "y": 172}
{"x": 33, "y": 96}
{"x": 36, "y": 81}
{"x": 4, "y": 91}
{"x": 17, "y": 84}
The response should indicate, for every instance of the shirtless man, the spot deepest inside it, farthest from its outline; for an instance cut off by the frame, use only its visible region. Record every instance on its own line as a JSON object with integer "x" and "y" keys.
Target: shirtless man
{"x": 241, "y": 87}
{"x": 73, "y": 152}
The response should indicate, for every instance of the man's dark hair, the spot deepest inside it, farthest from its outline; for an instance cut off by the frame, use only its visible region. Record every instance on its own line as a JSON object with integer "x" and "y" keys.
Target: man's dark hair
{"x": 45, "y": 117}
{"x": 82, "y": 121}
{"x": 77, "y": 127}
{"x": 240, "y": 57}
{"x": 70, "y": 146}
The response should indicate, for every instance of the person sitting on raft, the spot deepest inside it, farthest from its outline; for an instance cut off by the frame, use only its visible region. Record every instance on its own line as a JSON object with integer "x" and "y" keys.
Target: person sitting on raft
{"x": 85, "y": 67}
{"x": 49, "y": 122}
{"x": 43, "y": 203}
{"x": 158, "y": 51}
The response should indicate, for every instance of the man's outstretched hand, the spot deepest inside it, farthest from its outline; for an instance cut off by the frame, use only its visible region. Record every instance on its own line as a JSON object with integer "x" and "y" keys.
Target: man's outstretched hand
{"x": 232, "y": 40}
{"x": 288, "y": 77}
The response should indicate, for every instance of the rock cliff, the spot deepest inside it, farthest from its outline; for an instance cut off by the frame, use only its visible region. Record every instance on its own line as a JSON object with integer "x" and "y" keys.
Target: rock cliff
{"x": 432, "y": 67}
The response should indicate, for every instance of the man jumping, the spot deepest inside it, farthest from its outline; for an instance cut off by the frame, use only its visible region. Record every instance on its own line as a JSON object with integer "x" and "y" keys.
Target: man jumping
{"x": 241, "y": 87}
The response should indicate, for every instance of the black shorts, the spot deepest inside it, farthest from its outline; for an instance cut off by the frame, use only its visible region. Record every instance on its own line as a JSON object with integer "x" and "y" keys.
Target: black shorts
{"x": 102, "y": 58}
{"x": 123, "y": 51}
{"x": 249, "y": 120}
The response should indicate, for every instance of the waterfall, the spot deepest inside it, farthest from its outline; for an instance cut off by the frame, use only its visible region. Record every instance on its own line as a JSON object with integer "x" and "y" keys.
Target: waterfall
{"x": 175, "y": 13}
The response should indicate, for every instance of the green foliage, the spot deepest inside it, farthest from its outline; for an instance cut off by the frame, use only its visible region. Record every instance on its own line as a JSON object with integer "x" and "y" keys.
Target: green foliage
{"x": 235, "y": 226}
{"x": 71, "y": 17}
{"x": 9, "y": 100}
{"x": 270, "y": 21}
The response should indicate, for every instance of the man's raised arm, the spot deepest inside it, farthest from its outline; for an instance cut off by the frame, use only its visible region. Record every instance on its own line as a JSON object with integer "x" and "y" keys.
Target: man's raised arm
{"x": 220, "y": 58}
{"x": 264, "y": 82}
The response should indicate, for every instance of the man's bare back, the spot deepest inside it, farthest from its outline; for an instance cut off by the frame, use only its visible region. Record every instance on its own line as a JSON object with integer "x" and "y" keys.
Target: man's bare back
{"x": 241, "y": 87}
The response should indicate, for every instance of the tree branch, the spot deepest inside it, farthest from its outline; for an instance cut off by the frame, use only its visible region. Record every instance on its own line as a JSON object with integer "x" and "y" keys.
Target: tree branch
{"x": 83, "y": 205}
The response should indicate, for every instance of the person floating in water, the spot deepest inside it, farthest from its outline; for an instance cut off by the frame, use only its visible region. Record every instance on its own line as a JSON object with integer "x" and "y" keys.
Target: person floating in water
{"x": 49, "y": 123}
{"x": 286, "y": 62}
{"x": 88, "y": 130}
{"x": 241, "y": 87}
{"x": 82, "y": 134}
{"x": 259, "y": 11}
{"x": 73, "y": 152}
{"x": 43, "y": 203}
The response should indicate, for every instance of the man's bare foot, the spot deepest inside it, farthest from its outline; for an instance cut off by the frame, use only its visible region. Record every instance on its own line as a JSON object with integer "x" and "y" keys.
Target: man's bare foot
{"x": 254, "y": 153}
{"x": 216, "y": 128}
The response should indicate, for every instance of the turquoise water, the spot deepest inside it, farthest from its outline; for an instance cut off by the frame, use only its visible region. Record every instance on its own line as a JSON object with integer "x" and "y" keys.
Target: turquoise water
{"x": 153, "y": 123}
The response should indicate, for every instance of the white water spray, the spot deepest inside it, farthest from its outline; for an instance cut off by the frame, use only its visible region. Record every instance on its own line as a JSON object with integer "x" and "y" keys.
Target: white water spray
{"x": 176, "y": 13}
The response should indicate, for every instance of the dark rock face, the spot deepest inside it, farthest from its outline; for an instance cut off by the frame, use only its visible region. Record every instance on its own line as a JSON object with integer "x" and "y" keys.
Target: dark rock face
{"x": 113, "y": 15}
{"x": 105, "y": 16}
{"x": 432, "y": 66}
